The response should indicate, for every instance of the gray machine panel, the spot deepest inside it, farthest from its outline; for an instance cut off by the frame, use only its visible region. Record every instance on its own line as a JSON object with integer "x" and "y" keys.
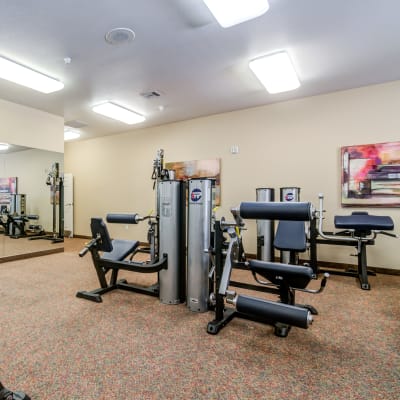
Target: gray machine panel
{"x": 171, "y": 205}
{"x": 265, "y": 228}
{"x": 199, "y": 239}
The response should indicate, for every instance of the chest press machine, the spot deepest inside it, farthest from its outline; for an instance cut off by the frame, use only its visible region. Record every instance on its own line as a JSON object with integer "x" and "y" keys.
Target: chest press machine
{"x": 283, "y": 279}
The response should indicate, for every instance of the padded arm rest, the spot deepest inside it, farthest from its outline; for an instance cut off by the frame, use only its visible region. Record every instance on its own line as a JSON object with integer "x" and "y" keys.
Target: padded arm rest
{"x": 364, "y": 222}
{"x": 296, "y": 276}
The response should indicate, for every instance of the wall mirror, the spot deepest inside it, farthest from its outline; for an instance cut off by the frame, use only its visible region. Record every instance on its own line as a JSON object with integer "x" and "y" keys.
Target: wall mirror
{"x": 28, "y": 189}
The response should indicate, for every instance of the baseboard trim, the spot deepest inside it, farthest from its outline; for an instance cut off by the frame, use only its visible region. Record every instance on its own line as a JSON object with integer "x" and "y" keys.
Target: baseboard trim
{"x": 31, "y": 255}
{"x": 75, "y": 236}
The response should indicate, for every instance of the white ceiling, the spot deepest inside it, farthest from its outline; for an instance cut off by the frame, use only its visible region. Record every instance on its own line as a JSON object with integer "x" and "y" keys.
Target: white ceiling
{"x": 180, "y": 50}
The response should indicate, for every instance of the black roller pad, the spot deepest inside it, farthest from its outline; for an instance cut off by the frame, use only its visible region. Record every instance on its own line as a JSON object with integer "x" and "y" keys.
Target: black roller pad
{"x": 276, "y": 211}
{"x": 121, "y": 218}
{"x": 296, "y": 276}
{"x": 277, "y": 312}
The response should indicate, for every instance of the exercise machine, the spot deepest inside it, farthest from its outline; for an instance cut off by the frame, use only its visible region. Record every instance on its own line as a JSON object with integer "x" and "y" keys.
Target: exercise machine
{"x": 55, "y": 181}
{"x": 282, "y": 279}
{"x": 166, "y": 236}
{"x": 358, "y": 230}
{"x": 15, "y": 219}
{"x": 201, "y": 202}
{"x": 6, "y": 394}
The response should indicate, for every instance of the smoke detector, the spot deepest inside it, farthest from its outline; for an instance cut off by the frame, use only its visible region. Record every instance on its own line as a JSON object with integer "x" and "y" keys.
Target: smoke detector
{"x": 119, "y": 36}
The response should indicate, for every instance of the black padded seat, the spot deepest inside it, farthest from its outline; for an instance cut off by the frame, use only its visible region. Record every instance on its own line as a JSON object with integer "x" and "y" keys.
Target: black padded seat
{"x": 291, "y": 236}
{"x": 114, "y": 250}
{"x": 120, "y": 249}
{"x": 295, "y": 276}
{"x": 364, "y": 222}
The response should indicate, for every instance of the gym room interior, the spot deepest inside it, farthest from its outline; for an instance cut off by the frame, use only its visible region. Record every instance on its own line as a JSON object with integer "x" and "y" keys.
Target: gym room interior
{"x": 187, "y": 78}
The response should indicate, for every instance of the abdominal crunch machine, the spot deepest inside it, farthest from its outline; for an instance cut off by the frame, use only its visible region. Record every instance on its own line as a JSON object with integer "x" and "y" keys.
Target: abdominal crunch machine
{"x": 284, "y": 279}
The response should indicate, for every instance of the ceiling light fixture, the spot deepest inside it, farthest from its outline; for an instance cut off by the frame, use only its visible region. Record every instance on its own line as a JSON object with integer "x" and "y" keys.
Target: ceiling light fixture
{"x": 25, "y": 76}
{"x": 4, "y": 146}
{"x": 229, "y": 13}
{"x": 70, "y": 134}
{"x": 119, "y": 113}
{"x": 276, "y": 72}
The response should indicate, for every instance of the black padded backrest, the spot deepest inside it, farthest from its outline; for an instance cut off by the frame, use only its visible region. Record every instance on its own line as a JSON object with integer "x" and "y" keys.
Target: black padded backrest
{"x": 98, "y": 227}
{"x": 291, "y": 235}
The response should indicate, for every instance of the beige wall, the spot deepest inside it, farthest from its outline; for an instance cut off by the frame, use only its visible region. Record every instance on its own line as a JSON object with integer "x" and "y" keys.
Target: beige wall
{"x": 31, "y": 167}
{"x": 26, "y": 126}
{"x": 294, "y": 143}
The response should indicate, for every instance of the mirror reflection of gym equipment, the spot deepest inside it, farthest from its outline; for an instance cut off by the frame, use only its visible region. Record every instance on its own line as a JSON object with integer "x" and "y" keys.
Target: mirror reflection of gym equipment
{"x": 55, "y": 181}
{"x": 25, "y": 169}
{"x": 14, "y": 219}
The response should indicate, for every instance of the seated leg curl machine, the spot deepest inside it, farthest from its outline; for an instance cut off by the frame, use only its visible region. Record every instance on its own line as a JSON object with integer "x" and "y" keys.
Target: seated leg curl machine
{"x": 284, "y": 279}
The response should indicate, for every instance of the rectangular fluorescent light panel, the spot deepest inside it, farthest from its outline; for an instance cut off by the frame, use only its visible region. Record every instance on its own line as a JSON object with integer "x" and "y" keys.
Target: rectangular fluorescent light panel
{"x": 229, "y": 13}
{"x": 25, "y": 76}
{"x": 119, "y": 113}
{"x": 70, "y": 134}
{"x": 275, "y": 72}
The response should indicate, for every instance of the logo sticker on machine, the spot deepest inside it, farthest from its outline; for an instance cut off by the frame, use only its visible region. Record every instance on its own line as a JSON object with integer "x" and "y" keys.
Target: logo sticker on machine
{"x": 289, "y": 196}
{"x": 196, "y": 195}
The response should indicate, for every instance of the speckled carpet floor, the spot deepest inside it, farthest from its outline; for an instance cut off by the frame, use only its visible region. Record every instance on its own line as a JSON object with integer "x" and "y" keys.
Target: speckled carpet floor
{"x": 56, "y": 346}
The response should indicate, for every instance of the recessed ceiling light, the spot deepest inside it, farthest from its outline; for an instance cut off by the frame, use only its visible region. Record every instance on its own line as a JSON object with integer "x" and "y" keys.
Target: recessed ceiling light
{"x": 228, "y": 12}
{"x": 70, "y": 134}
{"x": 118, "y": 113}
{"x": 275, "y": 72}
{"x": 120, "y": 36}
{"x": 4, "y": 146}
{"x": 25, "y": 76}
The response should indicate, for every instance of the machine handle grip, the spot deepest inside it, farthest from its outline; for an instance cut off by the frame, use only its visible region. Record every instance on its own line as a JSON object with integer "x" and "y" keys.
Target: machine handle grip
{"x": 389, "y": 234}
{"x": 83, "y": 252}
{"x": 123, "y": 218}
{"x": 276, "y": 211}
{"x": 277, "y": 312}
{"x": 88, "y": 246}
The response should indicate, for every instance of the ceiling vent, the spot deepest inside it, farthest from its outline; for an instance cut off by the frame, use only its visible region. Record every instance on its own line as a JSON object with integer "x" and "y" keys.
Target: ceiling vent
{"x": 120, "y": 36}
{"x": 150, "y": 94}
{"x": 75, "y": 124}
